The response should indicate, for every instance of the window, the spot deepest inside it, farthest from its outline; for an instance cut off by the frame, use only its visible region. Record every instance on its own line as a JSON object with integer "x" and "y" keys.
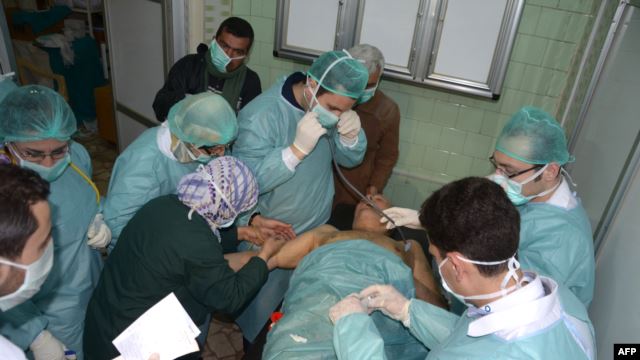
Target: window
{"x": 459, "y": 45}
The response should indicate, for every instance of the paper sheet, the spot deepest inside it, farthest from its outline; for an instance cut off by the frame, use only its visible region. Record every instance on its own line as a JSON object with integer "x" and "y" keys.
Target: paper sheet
{"x": 165, "y": 328}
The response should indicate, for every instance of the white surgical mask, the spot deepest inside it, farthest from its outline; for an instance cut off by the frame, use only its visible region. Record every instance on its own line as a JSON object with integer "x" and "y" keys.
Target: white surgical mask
{"x": 35, "y": 275}
{"x": 514, "y": 265}
{"x": 514, "y": 188}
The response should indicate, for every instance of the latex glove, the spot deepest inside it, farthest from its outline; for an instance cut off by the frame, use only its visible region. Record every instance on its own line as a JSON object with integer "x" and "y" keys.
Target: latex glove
{"x": 47, "y": 347}
{"x": 99, "y": 234}
{"x": 308, "y": 132}
{"x": 349, "y": 305}
{"x": 349, "y": 126}
{"x": 388, "y": 300}
{"x": 401, "y": 217}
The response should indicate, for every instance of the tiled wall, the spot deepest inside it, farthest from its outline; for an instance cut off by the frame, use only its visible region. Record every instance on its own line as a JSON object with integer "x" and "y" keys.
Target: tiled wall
{"x": 446, "y": 136}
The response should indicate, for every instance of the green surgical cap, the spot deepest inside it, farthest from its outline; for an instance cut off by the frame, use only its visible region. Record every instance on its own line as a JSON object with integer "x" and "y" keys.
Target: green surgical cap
{"x": 534, "y": 137}
{"x": 205, "y": 119}
{"x": 34, "y": 113}
{"x": 347, "y": 77}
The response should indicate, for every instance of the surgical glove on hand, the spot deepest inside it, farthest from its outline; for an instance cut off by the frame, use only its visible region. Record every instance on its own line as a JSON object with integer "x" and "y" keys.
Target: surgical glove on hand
{"x": 99, "y": 234}
{"x": 47, "y": 347}
{"x": 388, "y": 300}
{"x": 349, "y": 305}
{"x": 401, "y": 217}
{"x": 349, "y": 126}
{"x": 308, "y": 132}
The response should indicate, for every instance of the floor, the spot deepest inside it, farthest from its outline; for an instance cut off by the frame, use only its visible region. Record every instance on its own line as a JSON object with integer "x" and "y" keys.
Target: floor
{"x": 224, "y": 341}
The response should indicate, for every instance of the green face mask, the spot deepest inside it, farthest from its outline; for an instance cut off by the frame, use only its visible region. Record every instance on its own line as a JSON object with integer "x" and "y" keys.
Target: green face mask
{"x": 184, "y": 155}
{"x": 219, "y": 58}
{"x": 367, "y": 94}
{"x": 48, "y": 173}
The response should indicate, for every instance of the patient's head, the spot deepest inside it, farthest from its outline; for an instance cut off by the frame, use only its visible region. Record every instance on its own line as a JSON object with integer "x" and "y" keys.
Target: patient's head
{"x": 366, "y": 218}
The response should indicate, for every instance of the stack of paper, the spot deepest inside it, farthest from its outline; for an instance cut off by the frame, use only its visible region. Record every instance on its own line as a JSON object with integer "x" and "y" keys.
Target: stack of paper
{"x": 165, "y": 329}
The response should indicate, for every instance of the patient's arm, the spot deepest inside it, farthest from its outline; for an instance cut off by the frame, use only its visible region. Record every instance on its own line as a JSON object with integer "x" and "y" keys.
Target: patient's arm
{"x": 290, "y": 254}
{"x": 426, "y": 288}
{"x": 294, "y": 250}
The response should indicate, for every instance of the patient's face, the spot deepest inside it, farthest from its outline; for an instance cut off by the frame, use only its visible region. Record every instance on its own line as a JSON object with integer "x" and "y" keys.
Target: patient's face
{"x": 367, "y": 219}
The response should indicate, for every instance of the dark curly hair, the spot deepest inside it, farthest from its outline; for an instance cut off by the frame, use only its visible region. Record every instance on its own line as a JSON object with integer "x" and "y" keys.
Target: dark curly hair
{"x": 475, "y": 217}
{"x": 19, "y": 189}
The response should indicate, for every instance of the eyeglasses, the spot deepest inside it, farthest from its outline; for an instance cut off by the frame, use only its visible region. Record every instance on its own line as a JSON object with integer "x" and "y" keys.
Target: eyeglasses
{"x": 510, "y": 176}
{"x": 39, "y": 156}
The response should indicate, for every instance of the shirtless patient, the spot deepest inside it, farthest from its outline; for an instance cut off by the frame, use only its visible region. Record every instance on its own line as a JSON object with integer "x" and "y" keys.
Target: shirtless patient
{"x": 366, "y": 226}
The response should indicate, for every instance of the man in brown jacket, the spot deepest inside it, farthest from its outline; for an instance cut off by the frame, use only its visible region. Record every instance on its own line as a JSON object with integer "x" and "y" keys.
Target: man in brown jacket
{"x": 380, "y": 119}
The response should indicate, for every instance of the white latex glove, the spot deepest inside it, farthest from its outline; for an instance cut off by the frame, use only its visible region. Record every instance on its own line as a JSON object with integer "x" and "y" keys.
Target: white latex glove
{"x": 349, "y": 126}
{"x": 47, "y": 347}
{"x": 388, "y": 300}
{"x": 308, "y": 132}
{"x": 401, "y": 217}
{"x": 349, "y": 305}
{"x": 99, "y": 234}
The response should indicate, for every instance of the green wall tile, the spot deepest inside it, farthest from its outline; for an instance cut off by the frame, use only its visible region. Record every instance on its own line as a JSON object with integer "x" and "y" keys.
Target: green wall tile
{"x": 459, "y": 165}
{"x": 435, "y": 94}
{"x": 463, "y": 100}
{"x": 419, "y": 108}
{"x": 582, "y": 6}
{"x": 408, "y": 128}
{"x": 435, "y": 160}
{"x": 427, "y": 134}
{"x": 489, "y": 104}
{"x": 535, "y": 80}
{"x": 477, "y": 146}
{"x": 263, "y": 73}
{"x": 401, "y": 99}
{"x": 269, "y": 9}
{"x": 452, "y": 140}
{"x": 481, "y": 167}
{"x": 444, "y": 114}
{"x": 416, "y": 154}
{"x": 490, "y": 122}
{"x": 515, "y": 72}
{"x": 576, "y": 28}
{"x": 559, "y": 55}
{"x": 553, "y": 23}
{"x": 262, "y": 27}
{"x": 469, "y": 119}
{"x": 557, "y": 83}
{"x": 548, "y": 3}
{"x": 514, "y": 100}
{"x": 404, "y": 195}
{"x": 403, "y": 147}
{"x": 256, "y": 7}
{"x": 529, "y": 20}
{"x": 529, "y": 49}
{"x": 547, "y": 103}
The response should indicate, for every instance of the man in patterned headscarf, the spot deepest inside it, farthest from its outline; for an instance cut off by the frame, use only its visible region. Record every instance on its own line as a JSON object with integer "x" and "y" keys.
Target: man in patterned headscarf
{"x": 177, "y": 243}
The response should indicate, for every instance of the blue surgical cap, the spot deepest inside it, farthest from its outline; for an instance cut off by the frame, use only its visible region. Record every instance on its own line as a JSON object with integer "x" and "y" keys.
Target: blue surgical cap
{"x": 34, "y": 113}
{"x": 205, "y": 119}
{"x": 534, "y": 137}
{"x": 344, "y": 76}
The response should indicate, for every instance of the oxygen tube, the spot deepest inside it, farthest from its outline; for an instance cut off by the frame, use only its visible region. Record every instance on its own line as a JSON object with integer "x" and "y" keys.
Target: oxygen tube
{"x": 364, "y": 198}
